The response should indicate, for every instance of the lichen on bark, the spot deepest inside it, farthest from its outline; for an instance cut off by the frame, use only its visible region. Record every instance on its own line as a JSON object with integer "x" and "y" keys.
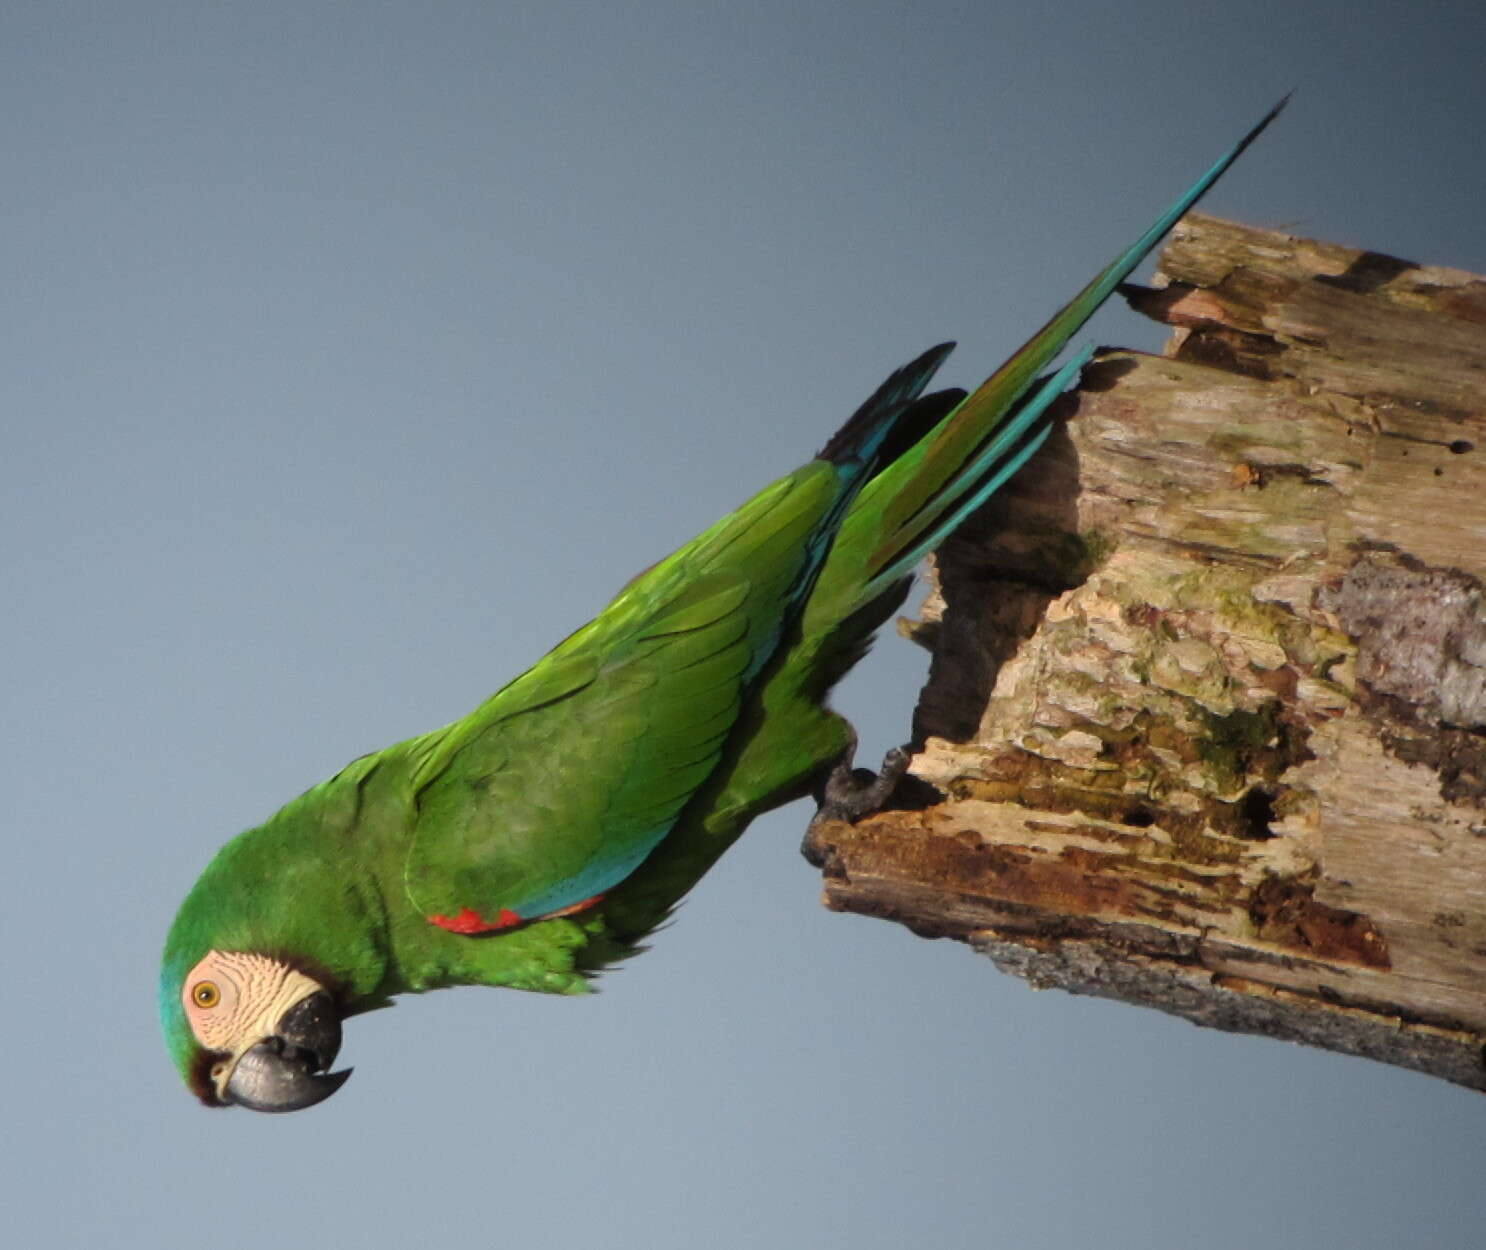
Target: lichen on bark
{"x": 1206, "y": 723}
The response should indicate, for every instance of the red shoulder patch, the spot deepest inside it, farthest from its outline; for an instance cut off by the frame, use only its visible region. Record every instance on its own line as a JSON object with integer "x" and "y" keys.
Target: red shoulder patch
{"x": 469, "y": 921}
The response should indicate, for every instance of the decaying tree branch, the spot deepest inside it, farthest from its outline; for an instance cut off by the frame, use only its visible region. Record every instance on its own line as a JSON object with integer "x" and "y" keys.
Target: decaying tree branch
{"x": 1206, "y": 725}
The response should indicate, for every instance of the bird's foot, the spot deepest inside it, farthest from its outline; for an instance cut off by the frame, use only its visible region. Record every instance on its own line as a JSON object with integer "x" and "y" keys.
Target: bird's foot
{"x": 851, "y": 793}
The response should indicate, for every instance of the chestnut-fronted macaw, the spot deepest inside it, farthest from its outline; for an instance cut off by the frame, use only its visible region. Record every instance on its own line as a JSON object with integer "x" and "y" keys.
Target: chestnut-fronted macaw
{"x": 541, "y": 837}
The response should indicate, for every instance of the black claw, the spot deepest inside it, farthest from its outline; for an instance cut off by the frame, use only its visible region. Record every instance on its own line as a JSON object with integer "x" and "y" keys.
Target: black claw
{"x": 850, "y": 793}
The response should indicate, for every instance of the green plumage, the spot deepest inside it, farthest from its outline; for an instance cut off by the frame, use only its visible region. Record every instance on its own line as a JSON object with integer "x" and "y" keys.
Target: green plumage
{"x": 629, "y": 758}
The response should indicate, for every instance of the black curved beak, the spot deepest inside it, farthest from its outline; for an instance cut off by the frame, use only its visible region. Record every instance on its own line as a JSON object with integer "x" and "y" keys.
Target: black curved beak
{"x": 287, "y": 1072}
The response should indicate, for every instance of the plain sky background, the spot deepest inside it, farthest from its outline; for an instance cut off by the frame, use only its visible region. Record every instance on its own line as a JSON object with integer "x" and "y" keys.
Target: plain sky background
{"x": 355, "y": 353}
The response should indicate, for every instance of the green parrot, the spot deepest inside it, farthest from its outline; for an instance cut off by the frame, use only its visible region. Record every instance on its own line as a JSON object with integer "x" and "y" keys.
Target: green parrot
{"x": 543, "y": 836}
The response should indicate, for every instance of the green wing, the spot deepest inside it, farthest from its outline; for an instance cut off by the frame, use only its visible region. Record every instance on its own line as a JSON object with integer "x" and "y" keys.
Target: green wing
{"x": 558, "y": 786}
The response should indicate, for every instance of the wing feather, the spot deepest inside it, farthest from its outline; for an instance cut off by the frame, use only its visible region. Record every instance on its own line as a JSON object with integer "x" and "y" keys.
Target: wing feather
{"x": 558, "y": 786}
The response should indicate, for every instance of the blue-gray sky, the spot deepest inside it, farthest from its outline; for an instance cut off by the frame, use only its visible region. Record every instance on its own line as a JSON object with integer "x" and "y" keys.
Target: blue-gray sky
{"x": 354, "y": 353}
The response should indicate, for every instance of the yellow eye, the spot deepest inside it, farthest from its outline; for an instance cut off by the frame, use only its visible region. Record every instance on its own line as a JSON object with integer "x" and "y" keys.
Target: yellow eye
{"x": 206, "y": 994}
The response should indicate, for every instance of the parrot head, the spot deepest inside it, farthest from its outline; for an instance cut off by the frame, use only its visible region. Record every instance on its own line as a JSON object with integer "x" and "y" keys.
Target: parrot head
{"x": 254, "y": 1031}
{"x": 251, "y": 1003}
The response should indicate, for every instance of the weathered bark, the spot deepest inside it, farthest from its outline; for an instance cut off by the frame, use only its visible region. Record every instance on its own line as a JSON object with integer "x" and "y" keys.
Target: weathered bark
{"x": 1206, "y": 725}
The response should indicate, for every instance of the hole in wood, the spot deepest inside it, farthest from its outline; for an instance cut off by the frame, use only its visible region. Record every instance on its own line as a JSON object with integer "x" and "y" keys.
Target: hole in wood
{"x": 1257, "y": 807}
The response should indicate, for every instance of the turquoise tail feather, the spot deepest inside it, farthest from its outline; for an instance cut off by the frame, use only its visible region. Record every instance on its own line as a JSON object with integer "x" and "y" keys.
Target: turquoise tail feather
{"x": 990, "y": 470}
{"x": 912, "y": 503}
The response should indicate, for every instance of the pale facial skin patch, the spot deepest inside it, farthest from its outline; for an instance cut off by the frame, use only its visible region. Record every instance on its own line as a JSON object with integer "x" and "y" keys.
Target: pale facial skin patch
{"x": 234, "y": 999}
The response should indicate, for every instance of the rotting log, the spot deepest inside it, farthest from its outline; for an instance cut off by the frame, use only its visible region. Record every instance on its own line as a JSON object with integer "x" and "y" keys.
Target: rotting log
{"x": 1205, "y": 728}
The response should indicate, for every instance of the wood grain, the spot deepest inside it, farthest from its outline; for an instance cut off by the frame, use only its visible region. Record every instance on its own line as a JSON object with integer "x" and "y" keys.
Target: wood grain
{"x": 1206, "y": 724}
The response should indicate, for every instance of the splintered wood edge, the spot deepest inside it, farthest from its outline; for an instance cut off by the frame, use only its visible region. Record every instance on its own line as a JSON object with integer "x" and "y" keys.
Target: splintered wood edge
{"x": 1104, "y": 894}
{"x": 879, "y": 867}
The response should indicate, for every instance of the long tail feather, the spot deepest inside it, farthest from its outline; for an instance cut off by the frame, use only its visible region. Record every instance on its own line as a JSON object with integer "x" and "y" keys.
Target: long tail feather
{"x": 916, "y": 500}
{"x": 991, "y": 469}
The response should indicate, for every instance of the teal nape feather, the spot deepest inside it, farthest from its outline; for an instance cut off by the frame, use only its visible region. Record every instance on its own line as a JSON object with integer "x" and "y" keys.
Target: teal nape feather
{"x": 546, "y": 834}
